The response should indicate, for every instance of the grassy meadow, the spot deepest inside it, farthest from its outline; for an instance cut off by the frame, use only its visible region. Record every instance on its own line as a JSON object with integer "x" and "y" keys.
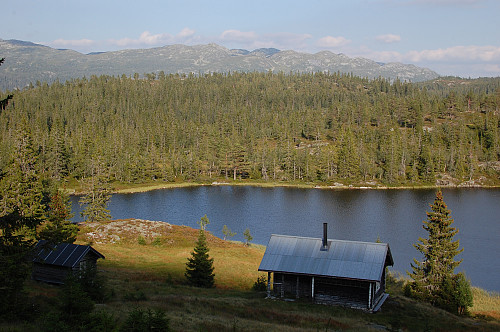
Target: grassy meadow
{"x": 144, "y": 268}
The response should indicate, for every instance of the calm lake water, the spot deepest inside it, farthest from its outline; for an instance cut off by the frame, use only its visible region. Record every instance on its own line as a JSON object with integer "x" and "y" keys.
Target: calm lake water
{"x": 362, "y": 215}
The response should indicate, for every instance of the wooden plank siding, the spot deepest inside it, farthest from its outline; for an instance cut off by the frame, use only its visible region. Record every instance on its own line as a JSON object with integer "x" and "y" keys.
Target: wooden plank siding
{"x": 333, "y": 291}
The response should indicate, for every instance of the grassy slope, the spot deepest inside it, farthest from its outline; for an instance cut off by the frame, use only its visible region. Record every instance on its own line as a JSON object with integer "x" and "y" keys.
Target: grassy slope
{"x": 151, "y": 276}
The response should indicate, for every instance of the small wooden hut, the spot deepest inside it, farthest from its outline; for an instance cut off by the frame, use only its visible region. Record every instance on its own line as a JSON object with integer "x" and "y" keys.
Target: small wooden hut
{"x": 53, "y": 264}
{"x": 339, "y": 272}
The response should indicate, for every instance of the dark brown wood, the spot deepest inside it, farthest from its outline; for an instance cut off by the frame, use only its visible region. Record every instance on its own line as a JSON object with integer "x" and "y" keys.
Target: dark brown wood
{"x": 360, "y": 294}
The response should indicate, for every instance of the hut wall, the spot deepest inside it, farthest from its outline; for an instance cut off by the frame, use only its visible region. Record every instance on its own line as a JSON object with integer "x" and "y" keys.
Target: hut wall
{"x": 289, "y": 287}
{"x": 379, "y": 288}
{"x": 50, "y": 273}
{"x": 56, "y": 274}
{"x": 352, "y": 293}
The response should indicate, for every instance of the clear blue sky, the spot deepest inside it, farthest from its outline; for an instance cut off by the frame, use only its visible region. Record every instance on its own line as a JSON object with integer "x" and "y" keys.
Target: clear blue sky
{"x": 452, "y": 37}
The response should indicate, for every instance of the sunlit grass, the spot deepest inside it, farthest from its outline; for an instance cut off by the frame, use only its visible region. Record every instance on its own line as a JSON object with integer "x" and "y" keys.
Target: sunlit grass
{"x": 235, "y": 264}
{"x": 486, "y": 303}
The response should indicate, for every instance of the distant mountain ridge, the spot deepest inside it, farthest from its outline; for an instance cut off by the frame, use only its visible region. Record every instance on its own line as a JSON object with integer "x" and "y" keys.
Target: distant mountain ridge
{"x": 29, "y": 62}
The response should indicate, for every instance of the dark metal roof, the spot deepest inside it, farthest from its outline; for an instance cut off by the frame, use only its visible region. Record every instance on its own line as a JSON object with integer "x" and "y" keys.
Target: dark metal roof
{"x": 343, "y": 259}
{"x": 63, "y": 254}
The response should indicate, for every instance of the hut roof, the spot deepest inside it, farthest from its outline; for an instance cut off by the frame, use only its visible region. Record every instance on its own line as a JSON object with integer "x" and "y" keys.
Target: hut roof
{"x": 62, "y": 254}
{"x": 343, "y": 259}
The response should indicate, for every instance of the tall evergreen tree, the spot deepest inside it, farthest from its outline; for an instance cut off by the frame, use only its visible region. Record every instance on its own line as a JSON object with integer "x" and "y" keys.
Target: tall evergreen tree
{"x": 22, "y": 187}
{"x": 21, "y": 211}
{"x": 58, "y": 227}
{"x": 98, "y": 193}
{"x": 438, "y": 250}
{"x": 199, "y": 268}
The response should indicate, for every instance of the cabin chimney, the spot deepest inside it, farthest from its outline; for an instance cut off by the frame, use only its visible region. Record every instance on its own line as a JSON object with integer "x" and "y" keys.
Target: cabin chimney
{"x": 324, "y": 247}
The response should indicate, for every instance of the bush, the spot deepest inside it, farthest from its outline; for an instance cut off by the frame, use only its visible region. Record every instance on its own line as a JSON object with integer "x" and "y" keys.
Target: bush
{"x": 141, "y": 240}
{"x": 261, "y": 284}
{"x": 456, "y": 294}
{"x": 146, "y": 320}
{"x": 93, "y": 283}
{"x": 75, "y": 304}
{"x": 137, "y": 296}
{"x": 157, "y": 242}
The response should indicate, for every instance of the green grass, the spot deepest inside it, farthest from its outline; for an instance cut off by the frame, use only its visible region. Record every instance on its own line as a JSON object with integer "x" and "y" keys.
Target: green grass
{"x": 486, "y": 303}
{"x": 151, "y": 276}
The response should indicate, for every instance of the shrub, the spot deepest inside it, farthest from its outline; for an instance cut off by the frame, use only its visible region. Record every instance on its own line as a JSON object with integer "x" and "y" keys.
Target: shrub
{"x": 141, "y": 240}
{"x": 456, "y": 294}
{"x": 75, "y": 304}
{"x": 261, "y": 284}
{"x": 93, "y": 283}
{"x": 137, "y": 296}
{"x": 146, "y": 320}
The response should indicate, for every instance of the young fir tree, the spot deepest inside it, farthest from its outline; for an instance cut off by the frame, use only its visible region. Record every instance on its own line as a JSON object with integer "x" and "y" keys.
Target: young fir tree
{"x": 58, "y": 228}
{"x": 439, "y": 251}
{"x": 199, "y": 268}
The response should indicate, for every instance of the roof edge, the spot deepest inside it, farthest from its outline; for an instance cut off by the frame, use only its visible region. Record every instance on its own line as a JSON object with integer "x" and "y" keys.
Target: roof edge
{"x": 318, "y": 275}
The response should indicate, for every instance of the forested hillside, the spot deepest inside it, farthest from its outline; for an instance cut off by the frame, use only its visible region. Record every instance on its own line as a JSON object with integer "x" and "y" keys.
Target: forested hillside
{"x": 319, "y": 128}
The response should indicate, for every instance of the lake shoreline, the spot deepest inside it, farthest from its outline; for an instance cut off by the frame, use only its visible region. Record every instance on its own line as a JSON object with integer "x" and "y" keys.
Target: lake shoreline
{"x": 138, "y": 188}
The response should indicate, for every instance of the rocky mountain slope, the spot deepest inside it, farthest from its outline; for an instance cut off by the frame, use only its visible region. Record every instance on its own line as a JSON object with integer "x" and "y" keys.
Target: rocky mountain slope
{"x": 28, "y": 62}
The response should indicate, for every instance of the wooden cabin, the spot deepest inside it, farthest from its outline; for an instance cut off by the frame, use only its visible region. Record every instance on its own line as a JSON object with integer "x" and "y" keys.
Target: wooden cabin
{"x": 53, "y": 264}
{"x": 338, "y": 272}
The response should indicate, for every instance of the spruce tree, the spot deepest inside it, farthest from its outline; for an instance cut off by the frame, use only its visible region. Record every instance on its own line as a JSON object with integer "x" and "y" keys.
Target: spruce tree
{"x": 22, "y": 187}
{"x": 98, "y": 192}
{"x": 21, "y": 211}
{"x": 438, "y": 250}
{"x": 58, "y": 227}
{"x": 199, "y": 268}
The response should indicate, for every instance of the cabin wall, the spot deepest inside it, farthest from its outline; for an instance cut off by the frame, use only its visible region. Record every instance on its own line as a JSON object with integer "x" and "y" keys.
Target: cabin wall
{"x": 56, "y": 274}
{"x": 288, "y": 288}
{"x": 351, "y": 293}
{"x": 50, "y": 273}
{"x": 345, "y": 292}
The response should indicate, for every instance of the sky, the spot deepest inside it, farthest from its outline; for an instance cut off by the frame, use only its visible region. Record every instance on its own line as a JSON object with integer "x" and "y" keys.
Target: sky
{"x": 451, "y": 37}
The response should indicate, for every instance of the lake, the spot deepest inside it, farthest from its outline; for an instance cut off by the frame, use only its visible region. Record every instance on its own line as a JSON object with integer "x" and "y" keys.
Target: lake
{"x": 394, "y": 216}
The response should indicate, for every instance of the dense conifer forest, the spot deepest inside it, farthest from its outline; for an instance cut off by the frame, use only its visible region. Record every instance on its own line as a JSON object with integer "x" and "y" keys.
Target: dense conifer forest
{"x": 300, "y": 128}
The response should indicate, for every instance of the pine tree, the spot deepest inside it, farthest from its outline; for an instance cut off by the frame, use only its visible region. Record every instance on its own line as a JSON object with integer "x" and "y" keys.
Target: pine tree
{"x": 199, "y": 268}
{"x": 439, "y": 251}
{"x": 58, "y": 228}
{"x": 22, "y": 187}
{"x": 21, "y": 211}
{"x": 98, "y": 193}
